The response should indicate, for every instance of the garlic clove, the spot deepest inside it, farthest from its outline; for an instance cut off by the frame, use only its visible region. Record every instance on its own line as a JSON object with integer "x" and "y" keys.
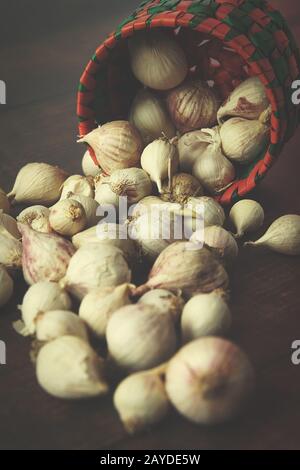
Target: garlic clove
{"x": 88, "y": 166}
{"x": 212, "y": 212}
{"x": 90, "y": 207}
{"x": 8, "y": 226}
{"x": 220, "y": 241}
{"x": 38, "y": 183}
{"x": 68, "y": 368}
{"x": 164, "y": 301}
{"x": 43, "y": 297}
{"x": 283, "y": 236}
{"x": 183, "y": 186}
{"x": 10, "y": 253}
{"x": 132, "y": 183}
{"x": 205, "y": 315}
{"x": 190, "y": 147}
{"x": 37, "y": 217}
{"x": 67, "y": 217}
{"x": 4, "y": 202}
{"x": 209, "y": 380}
{"x": 45, "y": 256}
{"x": 77, "y": 184}
{"x": 6, "y": 286}
{"x": 157, "y": 60}
{"x": 54, "y": 324}
{"x": 246, "y": 216}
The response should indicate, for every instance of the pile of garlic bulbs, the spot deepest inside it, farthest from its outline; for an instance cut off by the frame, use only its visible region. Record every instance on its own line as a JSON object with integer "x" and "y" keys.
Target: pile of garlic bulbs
{"x": 164, "y": 333}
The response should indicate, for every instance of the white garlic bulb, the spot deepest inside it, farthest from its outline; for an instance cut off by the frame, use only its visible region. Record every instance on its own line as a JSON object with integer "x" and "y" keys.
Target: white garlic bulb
{"x": 69, "y": 368}
{"x": 94, "y": 266}
{"x": 220, "y": 241}
{"x": 37, "y": 217}
{"x": 90, "y": 207}
{"x": 56, "y": 323}
{"x": 246, "y": 216}
{"x": 182, "y": 187}
{"x": 6, "y": 286}
{"x": 145, "y": 206}
{"x": 212, "y": 212}
{"x": 160, "y": 160}
{"x": 4, "y": 202}
{"x": 99, "y": 305}
{"x": 205, "y": 315}
{"x": 116, "y": 144}
{"x": 133, "y": 183}
{"x": 283, "y": 236}
{"x": 209, "y": 380}
{"x": 105, "y": 196}
{"x": 157, "y": 60}
{"x": 150, "y": 117}
{"x": 10, "y": 253}
{"x": 192, "y": 106}
{"x": 141, "y": 400}
{"x": 40, "y": 298}
{"x": 248, "y": 100}
{"x": 8, "y": 226}
{"x": 38, "y": 183}
{"x": 164, "y": 301}
{"x": 213, "y": 169}
{"x": 77, "y": 184}
{"x": 67, "y": 217}
{"x": 190, "y": 147}
{"x": 140, "y": 337}
{"x": 89, "y": 168}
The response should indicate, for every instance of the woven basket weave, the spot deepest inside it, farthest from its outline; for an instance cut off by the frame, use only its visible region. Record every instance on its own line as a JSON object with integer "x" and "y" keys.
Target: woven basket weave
{"x": 239, "y": 38}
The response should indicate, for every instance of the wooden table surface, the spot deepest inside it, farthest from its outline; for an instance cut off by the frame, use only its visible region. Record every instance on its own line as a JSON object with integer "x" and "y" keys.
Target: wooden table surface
{"x": 43, "y": 49}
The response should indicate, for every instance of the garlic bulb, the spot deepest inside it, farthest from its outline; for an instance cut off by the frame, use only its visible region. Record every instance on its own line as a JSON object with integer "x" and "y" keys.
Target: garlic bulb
{"x": 6, "y": 286}
{"x": 10, "y": 253}
{"x": 205, "y": 315}
{"x": 190, "y": 147}
{"x": 8, "y": 226}
{"x": 94, "y": 267}
{"x": 40, "y": 298}
{"x": 283, "y": 236}
{"x": 68, "y": 367}
{"x": 164, "y": 301}
{"x": 183, "y": 186}
{"x": 248, "y": 100}
{"x": 4, "y": 202}
{"x": 45, "y": 256}
{"x": 160, "y": 160}
{"x": 246, "y": 216}
{"x": 77, "y": 184}
{"x": 105, "y": 196}
{"x": 182, "y": 267}
{"x": 38, "y": 183}
{"x": 99, "y": 305}
{"x": 243, "y": 140}
{"x": 145, "y": 206}
{"x": 67, "y": 217}
{"x": 53, "y": 324}
{"x": 192, "y": 106}
{"x": 212, "y": 169}
{"x": 209, "y": 380}
{"x": 139, "y": 337}
{"x": 212, "y": 212}
{"x": 90, "y": 207}
{"x": 157, "y": 60}
{"x": 37, "y": 217}
{"x": 150, "y": 117}
{"x": 116, "y": 144}
{"x": 220, "y": 241}
{"x": 141, "y": 400}
{"x": 133, "y": 183}
{"x": 88, "y": 166}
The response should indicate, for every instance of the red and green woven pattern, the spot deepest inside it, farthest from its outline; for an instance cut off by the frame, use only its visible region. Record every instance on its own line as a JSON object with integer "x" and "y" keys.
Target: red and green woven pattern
{"x": 255, "y": 31}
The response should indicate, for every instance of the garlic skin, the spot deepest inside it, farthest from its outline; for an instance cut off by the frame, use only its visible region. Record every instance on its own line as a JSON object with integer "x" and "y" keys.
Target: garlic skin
{"x": 45, "y": 256}
{"x": 69, "y": 368}
{"x": 53, "y": 324}
{"x": 8, "y": 226}
{"x": 164, "y": 301}
{"x": 190, "y": 147}
{"x": 145, "y": 206}
{"x": 94, "y": 267}
{"x": 150, "y": 117}
{"x": 90, "y": 207}
{"x": 4, "y": 202}
{"x": 248, "y": 100}
{"x": 192, "y": 106}
{"x": 98, "y": 306}
{"x": 213, "y": 212}
{"x": 139, "y": 337}
{"x": 183, "y": 186}
{"x": 133, "y": 183}
{"x": 88, "y": 166}
{"x": 77, "y": 184}
{"x": 67, "y": 217}
{"x": 157, "y": 60}
{"x": 209, "y": 380}
{"x": 213, "y": 169}
{"x": 40, "y": 298}
{"x": 205, "y": 315}
{"x": 10, "y": 253}
{"x": 116, "y": 144}
{"x": 105, "y": 196}
{"x": 6, "y": 286}
{"x": 182, "y": 267}
{"x": 37, "y": 217}
{"x": 283, "y": 236}
{"x": 220, "y": 241}
{"x": 141, "y": 400}
{"x": 246, "y": 216}
{"x": 243, "y": 140}
{"x": 38, "y": 183}
{"x": 160, "y": 160}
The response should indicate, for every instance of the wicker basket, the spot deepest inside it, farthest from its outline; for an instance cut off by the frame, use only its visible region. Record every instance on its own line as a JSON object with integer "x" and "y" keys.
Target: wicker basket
{"x": 225, "y": 41}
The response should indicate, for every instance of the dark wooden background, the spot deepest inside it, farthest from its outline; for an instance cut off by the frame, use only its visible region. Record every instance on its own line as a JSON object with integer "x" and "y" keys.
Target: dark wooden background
{"x": 44, "y": 47}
